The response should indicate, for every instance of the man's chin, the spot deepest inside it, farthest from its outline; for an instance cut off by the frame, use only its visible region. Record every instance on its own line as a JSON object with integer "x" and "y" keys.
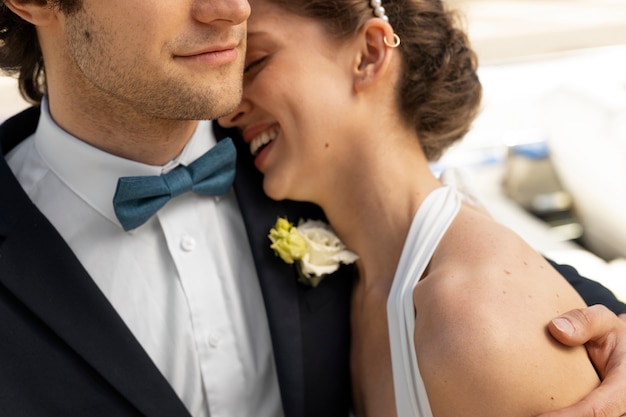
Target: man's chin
{"x": 206, "y": 107}
{"x": 227, "y": 102}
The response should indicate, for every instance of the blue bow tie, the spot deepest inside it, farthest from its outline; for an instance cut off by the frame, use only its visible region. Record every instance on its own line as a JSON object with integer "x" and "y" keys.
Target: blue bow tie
{"x": 138, "y": 198}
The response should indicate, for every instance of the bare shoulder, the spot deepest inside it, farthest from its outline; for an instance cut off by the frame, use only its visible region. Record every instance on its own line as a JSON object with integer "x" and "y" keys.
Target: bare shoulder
{"x": 479, "y": 259}
{"x": 481, "y": 316}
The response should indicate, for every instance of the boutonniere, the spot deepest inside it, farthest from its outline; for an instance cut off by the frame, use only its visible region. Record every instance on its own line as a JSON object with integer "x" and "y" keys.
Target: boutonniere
{"x": 312, "y": 246}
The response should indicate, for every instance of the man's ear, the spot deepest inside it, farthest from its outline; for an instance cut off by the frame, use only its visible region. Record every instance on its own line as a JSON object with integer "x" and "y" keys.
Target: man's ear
{"x": 33, "y": 12}
{"x": 375, "y": 55}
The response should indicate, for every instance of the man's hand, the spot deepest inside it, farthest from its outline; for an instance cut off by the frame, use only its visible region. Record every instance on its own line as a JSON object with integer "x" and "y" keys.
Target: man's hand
{"x": 604, "y": 336}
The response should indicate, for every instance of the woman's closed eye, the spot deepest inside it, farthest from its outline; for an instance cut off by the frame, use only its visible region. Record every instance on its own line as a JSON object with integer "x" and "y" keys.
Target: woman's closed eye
{"x": 254, "y": 65}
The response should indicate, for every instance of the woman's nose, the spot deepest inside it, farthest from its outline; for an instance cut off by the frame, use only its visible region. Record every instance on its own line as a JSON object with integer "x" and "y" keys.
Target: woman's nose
{"x": 235, "y": 118}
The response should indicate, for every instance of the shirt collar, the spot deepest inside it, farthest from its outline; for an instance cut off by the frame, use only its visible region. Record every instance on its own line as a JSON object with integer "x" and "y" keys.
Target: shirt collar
{"x": 92, "y": 173}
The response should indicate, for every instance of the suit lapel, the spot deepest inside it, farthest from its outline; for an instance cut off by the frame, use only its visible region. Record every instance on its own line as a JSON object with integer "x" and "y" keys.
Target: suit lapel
{"x": 277, "y": 279}
{"x": 310, "y": 327}
{"x": 38, "y": 267}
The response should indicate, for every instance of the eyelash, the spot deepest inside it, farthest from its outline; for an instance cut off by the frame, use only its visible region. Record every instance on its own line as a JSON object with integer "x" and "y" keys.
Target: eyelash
{"x": 253, "y": 64}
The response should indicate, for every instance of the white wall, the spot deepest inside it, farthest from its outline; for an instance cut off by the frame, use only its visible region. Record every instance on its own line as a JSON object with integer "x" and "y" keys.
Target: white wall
{"x": 10, "y": 100}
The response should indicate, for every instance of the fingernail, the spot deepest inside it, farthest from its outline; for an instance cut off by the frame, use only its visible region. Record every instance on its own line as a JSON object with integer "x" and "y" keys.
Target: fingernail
{"x": 564, "y": 325}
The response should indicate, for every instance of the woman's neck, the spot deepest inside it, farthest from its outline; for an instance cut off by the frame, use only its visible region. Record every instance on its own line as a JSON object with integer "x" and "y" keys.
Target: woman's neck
{"x": 372, "y": 214}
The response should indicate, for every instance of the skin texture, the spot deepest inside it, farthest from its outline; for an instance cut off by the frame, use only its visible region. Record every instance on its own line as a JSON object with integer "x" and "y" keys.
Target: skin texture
{"x": 145, "y": 71}
{"x": 484, "y": 301}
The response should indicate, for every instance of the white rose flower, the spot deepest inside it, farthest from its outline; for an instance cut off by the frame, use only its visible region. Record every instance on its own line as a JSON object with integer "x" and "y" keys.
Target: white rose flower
{"x": 324, "y": 249}
{"x": 323, "y": 254}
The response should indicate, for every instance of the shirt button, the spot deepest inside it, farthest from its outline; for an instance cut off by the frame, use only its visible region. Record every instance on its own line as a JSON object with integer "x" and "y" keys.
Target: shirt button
{"x": 188, "y": 243}
{"x": 214, "y": 340}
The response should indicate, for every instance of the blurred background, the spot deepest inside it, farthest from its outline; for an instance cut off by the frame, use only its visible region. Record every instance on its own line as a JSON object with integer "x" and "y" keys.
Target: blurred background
{"x": 547, "y": 154}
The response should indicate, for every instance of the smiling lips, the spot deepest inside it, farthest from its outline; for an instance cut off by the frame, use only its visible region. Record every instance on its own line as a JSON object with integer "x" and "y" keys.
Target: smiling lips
{"x": 214, "y": 54}
{"x": 262, "y": 139}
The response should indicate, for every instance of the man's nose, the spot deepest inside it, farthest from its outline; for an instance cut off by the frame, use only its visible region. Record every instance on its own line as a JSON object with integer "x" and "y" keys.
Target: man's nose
{"x": 232, "y": 11}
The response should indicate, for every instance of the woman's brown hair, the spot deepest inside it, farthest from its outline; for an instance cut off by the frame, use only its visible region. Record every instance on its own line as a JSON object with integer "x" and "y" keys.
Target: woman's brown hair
{"x": 438, "y": 92}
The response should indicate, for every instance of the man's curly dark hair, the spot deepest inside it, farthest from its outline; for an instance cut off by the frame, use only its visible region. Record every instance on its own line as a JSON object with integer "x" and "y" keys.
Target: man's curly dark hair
{"x": 20, "y": 52}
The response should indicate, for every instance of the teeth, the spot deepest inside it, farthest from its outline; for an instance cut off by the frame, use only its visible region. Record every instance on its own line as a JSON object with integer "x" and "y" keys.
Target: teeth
{"x": 262, "y": 140}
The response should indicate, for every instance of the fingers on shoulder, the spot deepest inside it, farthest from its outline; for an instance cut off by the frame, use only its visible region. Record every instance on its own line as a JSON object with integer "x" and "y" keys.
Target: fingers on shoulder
{"x": 595, "y": 321}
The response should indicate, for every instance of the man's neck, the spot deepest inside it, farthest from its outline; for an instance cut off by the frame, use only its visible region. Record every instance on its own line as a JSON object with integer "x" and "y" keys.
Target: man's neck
{"x": 125, "y": 132}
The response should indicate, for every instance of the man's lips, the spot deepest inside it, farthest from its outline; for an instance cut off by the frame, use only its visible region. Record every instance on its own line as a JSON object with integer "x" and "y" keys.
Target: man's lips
{"x": 213, "y": 54}
{"x": 208, "y": 50}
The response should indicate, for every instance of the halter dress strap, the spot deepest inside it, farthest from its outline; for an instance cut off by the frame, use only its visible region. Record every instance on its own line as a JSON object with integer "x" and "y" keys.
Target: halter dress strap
{"x": 430, "y": 223}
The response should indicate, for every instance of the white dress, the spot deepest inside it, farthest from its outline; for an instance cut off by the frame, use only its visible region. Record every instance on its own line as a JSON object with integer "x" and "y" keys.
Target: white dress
{"x": 430, "y": 223}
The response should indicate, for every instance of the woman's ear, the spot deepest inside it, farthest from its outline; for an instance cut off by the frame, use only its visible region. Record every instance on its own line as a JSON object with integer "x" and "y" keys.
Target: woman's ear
{"x": 33, "y": 12}
{"x": 377, "y": 49}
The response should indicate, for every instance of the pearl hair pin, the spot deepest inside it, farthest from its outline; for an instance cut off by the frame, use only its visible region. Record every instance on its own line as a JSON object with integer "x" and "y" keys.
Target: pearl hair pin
{"x": 379, "y": 11}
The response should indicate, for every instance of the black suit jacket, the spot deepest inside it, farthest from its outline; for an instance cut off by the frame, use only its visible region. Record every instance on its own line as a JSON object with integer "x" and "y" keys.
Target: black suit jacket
{"x": 65, "y": 352}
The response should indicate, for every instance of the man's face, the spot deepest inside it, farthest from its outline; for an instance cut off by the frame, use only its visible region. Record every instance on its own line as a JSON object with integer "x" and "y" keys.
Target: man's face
{"x": 165, "y": 59}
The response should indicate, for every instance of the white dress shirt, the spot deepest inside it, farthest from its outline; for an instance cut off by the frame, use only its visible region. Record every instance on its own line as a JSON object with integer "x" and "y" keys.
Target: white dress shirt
{"x": 184, "y": 282}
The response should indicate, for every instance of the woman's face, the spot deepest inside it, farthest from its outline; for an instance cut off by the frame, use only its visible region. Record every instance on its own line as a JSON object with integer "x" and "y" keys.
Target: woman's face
{"x": 297, "y": 85}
